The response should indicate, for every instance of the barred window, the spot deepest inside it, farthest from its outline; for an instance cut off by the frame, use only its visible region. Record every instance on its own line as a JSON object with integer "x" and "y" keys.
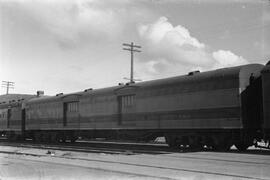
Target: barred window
{"x": 127, "y": 101}
{"x": 72, "y": 107}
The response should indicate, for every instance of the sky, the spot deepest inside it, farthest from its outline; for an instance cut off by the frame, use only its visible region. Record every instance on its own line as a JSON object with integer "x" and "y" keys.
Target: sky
{"x": 67, "y": 46}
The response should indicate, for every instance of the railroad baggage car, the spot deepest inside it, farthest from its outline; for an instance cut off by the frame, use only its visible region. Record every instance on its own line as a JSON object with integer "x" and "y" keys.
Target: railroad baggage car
{"x": 196, "y": 109}
{"x": 217, "y": 109}
{"x": 12, "y": 116}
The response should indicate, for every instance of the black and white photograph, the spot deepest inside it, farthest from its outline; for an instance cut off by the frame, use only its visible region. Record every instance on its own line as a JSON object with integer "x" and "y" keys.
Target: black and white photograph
{"x": 134, "y": 89}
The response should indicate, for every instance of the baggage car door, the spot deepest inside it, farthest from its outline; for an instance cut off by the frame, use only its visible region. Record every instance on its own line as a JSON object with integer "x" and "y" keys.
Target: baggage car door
{"x": 71, "y": 117}
{"x": 71, "y": 114}
{"x": 126, "y": 99}
{"x": 126, "y": 105}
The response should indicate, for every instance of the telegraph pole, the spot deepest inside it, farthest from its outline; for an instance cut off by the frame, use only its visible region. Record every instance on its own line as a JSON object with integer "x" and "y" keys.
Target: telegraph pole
{"x": 8, "y": 85}
{"x": 132, "y": 48}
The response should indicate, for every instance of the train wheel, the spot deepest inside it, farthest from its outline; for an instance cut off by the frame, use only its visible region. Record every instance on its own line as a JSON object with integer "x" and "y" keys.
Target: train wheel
{"x": 14, "y": 137}
{"x": 73, "y": 139}
{"x": 241, "y": 146}
{"x": 42, "y": 137}
{"x": 47, "y": 138}
{"x": 221, "y": 144}
{"x": 38, "y": 137}
{"x": 18, "y": 138}
{"x": 195, "y": 143}
{"x": 171, "y": 141}
{"x": 34, "y": 138}
{"x": 63, "y": 138}
{"x": 10, "y": 137}
{"x": 54, "y": 138}
{"x": 222, "y": 147}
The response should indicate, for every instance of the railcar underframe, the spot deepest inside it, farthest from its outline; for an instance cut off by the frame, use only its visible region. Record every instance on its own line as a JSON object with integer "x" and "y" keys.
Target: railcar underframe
{"x": 216, "y": 139}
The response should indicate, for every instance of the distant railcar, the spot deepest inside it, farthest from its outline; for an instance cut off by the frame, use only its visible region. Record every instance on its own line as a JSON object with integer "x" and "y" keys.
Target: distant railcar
{"x": 3, "y": 119}
{"x": 12, "y": 116}
{"x": 197, "y": 109}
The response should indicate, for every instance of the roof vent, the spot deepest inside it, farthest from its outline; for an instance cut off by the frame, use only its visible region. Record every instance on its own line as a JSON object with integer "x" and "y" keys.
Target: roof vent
{"x": 90, "y": 89}
{"x": 120, "y": 84}
{"x": 59, "y": 94}
{"x": 40, "y": 93}
{"x": 193, "y": 73}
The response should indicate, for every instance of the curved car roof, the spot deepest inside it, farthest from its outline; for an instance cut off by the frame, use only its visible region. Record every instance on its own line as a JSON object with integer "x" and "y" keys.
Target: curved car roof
{"x": 232, "y": 72}
{"x": 266, "y": 68}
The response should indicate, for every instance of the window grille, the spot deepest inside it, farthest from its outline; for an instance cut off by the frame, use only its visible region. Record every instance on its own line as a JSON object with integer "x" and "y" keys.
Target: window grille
{"x": 128, "y": 100}
{"x": 72, "y": 107}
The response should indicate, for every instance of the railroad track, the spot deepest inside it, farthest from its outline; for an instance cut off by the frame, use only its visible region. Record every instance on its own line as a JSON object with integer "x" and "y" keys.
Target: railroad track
{"x": 117, "y": 163}
{"x": 94, "y": 147}
{"x": 127, "y": 148}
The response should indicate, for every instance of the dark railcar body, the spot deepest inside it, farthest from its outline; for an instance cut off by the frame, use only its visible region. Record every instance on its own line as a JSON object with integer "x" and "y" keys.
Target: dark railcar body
{"x": 3, "y": 118}
{"x": 266, "y": 101}
{"x": 196, "y": 105}
{"x": 12, "y": 119}
{"x": 12, "y": 115}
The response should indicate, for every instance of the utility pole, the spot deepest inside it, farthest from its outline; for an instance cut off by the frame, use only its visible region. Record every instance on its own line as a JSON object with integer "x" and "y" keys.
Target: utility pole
{"x": 132, "y": 48}
{"x": 8, "y": 85}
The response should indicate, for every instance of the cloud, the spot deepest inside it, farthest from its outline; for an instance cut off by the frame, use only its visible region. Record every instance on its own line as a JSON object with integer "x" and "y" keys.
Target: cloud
{"x": 156, "y": 66}
{"x": 168, "y": 48}
{"x": 266, "y": 16}
{"x": 162, "y": 30}
{"x": 227, "y": 58}
{"x": 71, "y": 24}
{"x": 78, "y": 23}
{"x": 89, "y": 26}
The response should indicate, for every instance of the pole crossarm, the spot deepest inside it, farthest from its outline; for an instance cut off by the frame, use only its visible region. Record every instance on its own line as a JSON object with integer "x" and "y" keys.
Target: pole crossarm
{"x": 132, "y": 48}
{"x": 127, "y": 49}
{"x": 8, "y": 82}
{"x": 130, "y": 45}
{"x": 8, "y": 85}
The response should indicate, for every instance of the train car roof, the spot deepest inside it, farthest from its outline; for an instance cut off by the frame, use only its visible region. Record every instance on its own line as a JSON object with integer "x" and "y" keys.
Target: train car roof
{"x": 232, "y": 72}
{"x": 266, "y": 68}
{"x": 12, "y": 100}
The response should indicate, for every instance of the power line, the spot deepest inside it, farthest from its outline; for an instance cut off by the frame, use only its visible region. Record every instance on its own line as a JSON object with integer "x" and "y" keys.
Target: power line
{"x": 131, "y": 48}
{"x": 8, "y": 85}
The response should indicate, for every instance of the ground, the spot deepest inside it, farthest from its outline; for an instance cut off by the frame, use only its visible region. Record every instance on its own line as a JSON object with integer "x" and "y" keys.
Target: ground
{"x": 27, "y": 163}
